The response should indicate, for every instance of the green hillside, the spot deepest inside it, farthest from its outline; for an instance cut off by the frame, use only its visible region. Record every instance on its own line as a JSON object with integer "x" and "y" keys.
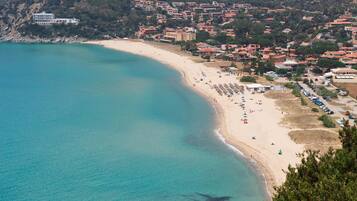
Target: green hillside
{"x": 98, "y": 18}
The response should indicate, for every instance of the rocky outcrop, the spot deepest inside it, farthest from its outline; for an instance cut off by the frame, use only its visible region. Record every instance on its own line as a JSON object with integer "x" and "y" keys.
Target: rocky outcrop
{"x": 13, "y": 15}
{"x": 26, "y": 39}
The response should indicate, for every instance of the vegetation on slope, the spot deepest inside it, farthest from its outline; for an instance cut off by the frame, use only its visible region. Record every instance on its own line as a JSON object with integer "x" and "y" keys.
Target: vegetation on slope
{"x": 98, "y": 18}
{"x": 111, "y": 18}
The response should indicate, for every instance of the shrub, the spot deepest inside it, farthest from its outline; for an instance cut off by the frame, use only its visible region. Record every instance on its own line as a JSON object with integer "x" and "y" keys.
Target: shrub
{"x": 296, "y": 92}
{"x": 269, "y": 78}
{"x": 296, "y": 78}
{"x": 327, "y": 121}
{"x": 322, "y": 91}
{"x": 314, "y": 110}
{"x": 294, "y": 87}
{"x": 306, "y": 81}
{"x": 248, "y": 79}
{"x": 303, "y": 101}
{"x": 246, "y": 69}
{"x": 289, "y": 85}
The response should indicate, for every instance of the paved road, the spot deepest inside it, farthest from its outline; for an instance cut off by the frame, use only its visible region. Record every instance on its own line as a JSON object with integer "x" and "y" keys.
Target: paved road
{"x": 338, "y": 111}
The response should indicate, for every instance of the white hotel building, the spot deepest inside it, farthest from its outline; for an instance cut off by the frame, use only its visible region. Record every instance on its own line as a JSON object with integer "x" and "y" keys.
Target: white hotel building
{"x": 49, "y": 19}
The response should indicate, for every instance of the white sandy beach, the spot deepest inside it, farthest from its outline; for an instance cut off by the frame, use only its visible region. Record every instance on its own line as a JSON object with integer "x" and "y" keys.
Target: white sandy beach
{"x": 263, "y": 119}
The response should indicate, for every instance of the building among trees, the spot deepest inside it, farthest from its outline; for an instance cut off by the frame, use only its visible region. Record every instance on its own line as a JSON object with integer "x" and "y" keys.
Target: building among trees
{"x": 49, "y": 19}
{"x": 177, "y": 35}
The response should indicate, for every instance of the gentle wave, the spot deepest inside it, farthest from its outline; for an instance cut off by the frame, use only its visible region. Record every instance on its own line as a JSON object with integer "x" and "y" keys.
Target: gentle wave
{"x": 220, "y": 137}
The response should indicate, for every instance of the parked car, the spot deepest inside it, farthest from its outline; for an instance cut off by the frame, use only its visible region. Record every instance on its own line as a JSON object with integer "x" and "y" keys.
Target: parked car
{"x": 319, "y": 103}
{"x": 314, "y": 98}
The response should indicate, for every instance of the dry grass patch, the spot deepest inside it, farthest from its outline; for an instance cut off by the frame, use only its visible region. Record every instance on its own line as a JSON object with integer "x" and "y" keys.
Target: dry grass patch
{"x": 320, "y": 140}
{"x": 351, "y": 87}
{"x": 347, "y": 108}
{"x": 279, "y": 94}
{"x": 292, "y": 106}
{"x": 296, "y": 115}
{"x": 302, "y": 121}
{"x": 264, "y": 81}
{"x": 314, "y": 137}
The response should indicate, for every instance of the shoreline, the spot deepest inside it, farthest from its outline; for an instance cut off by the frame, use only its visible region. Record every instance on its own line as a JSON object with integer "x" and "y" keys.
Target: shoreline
{"x": 239, "y": 148}
{"x": 34, "y": 40}
{"x": 243, "y": 151}
{"x": 258, "y": 153}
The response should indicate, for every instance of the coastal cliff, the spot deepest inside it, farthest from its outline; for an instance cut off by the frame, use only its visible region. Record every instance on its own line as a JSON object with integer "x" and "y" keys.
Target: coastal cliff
{"x": 13, "y": 15}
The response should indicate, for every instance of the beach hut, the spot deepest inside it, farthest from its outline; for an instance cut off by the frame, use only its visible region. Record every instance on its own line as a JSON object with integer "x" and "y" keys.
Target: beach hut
{"x": 257, "y": 87}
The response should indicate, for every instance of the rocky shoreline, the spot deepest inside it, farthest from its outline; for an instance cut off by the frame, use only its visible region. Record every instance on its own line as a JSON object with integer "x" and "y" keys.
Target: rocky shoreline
{"x": 42, "y": 40}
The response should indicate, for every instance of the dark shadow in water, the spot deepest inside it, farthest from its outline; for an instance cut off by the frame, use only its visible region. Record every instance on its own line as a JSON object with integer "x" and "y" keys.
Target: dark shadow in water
{"x": 206, "y": 197}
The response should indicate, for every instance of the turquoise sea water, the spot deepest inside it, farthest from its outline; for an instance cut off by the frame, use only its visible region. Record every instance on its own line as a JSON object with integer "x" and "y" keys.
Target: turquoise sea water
{"x": 80, "y": 122}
